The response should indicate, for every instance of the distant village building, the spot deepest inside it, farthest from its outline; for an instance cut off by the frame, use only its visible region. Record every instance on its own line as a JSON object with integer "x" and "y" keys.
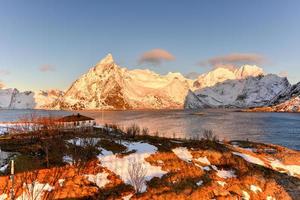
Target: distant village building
{"x": 76, "y": 121}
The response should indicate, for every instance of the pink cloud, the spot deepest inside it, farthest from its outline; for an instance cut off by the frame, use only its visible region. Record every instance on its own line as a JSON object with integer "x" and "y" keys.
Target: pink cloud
{"x": 4, "y": 72}
{"x": 47, "y": 68}
{"x": 233, "y": 60}
{"x": 156, "y": 56}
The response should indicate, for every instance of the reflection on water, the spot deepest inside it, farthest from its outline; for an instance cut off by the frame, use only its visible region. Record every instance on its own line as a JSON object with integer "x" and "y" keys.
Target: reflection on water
{"x": 277, "y": 128}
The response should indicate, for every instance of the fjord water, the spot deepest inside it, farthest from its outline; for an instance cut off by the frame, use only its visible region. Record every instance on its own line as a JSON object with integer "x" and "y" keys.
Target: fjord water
{"x": 276, "y": 128}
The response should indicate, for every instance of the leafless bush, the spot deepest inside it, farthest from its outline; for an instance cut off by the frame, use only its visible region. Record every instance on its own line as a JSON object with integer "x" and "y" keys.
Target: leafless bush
{"x": 81, "y": 151}
{"x": 174, "y": 135}
{"x": 28, "y": 186}
{"x": 133, "y": 130}
{"x": 137, "y": 175}
{"x": 145, "y": 131}
{"x": 209, "y": 135}
{"x": 35, "y": 123}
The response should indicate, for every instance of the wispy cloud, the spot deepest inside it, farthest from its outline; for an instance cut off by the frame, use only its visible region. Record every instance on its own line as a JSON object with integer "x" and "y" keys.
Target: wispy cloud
{"x": 47, "y": 68}
{"x": 4, "y": 72}
{"x": 156, "y": 56}
{"x": 233, "y": 60}
{"x": 283, "y": 74}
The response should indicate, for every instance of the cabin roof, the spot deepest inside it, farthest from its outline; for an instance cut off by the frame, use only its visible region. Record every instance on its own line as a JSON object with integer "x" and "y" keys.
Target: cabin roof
{"x": 75, "y": 118}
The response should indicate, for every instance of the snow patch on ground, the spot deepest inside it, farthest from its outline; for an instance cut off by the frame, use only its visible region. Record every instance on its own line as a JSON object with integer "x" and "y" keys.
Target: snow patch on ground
{"x": 83, "y": 142}
{"x": 255, "y": 189}
{"x": 203, "y": 160}
{"x": 3, "y": 168}
{"x": 68, "y": 159}
{"x": 225, "y": 173}
{"x": 99, "y": 179}
{"x": 61, "y": 182}
{"x": 270, "y": 198}
{"x": 206, "y": 168}
{"x": 160, "y": 162}
{"x": 4, "y": 157}
{"x": 35, "y": 190}
{"x": 183, "y": 153}
{"x": 250, "y": 158}
{"x": 292, "y": 170}
{"x": 127, "y": 197}
{"x": 221, "y": 183}
{"x": 3, "y": 196}
{"x": 199, "y": 183}
{"x": 121, "y": 165}
{"x": 245, "y": 195}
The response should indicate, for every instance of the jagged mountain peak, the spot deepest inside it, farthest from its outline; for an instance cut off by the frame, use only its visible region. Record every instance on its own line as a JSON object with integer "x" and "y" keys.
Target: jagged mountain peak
{"x": 108, "y": 59}
{"x": 248, "y": 70}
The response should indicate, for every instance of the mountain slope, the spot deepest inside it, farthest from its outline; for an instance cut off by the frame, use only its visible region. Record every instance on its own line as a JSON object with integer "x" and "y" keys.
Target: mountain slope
{"x": 289, "y": 101}
{"x": 240, "y": 93}
{"x": 108, "y": 86}
{"x": 12, "y": 98}
{"x": 220, "y": 75}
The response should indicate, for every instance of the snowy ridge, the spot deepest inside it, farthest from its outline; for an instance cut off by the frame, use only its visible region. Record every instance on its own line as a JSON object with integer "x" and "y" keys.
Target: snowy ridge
{"x": 109, "y": 86}
{"x": 239, "y": 93}
{"x": 14, "y": 99}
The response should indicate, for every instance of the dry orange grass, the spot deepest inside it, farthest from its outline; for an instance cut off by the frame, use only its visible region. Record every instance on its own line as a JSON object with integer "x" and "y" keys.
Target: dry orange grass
{"x": 179, "y": 183}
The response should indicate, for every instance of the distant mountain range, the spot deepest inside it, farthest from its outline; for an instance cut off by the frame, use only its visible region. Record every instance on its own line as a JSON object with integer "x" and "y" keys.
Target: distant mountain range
{"x": 109, "y": 86}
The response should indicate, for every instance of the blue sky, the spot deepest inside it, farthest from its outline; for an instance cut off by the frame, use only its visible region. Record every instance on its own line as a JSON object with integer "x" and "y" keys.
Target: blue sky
{"x": 67, "y": 37}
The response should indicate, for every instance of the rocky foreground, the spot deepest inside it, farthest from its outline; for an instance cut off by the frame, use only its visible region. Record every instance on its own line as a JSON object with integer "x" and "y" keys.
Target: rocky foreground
{"x": 105, "y": 164}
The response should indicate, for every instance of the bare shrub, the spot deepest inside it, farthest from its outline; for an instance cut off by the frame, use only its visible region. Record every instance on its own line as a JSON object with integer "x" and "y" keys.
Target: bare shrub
{"x": 81, "y": 151}
{"x": 137, "y": 176}
{"x": 209, "y": 135}
{"x": 133, "y": 130}
{"x": 34, "y": 123}
{"x": 145, "y": 131}
{"x": 36, "y": 184}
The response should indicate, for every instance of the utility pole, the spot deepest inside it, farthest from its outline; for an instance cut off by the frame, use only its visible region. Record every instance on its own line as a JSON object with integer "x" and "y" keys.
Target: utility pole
{"x": 12, "y": 172}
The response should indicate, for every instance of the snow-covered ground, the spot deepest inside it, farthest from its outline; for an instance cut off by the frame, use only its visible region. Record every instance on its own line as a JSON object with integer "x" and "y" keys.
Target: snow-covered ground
{"x": 35, "y": 190}
{"x": 183, "y": 153}
{"x": 99, "y": 179}
{"x": 250, "y": 158}
{"x": 83, "y": 142}
{"x": 120, "y": 165}
{"x": 292, "y": 170}
{"x": 203, "y": 160}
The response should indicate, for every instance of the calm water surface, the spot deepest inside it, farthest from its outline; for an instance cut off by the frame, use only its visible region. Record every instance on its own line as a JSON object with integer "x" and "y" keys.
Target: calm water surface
{"x": 277, "y": 128}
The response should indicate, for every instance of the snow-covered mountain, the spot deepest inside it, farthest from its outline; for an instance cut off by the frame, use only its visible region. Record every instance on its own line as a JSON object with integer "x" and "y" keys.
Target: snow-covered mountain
{"x": 289, "y": 101}
{"x": 12, "y": 98}
{"x": 109, "y": 86}
{"x": 220, "y": 75}
{"x": 240, "y": 93}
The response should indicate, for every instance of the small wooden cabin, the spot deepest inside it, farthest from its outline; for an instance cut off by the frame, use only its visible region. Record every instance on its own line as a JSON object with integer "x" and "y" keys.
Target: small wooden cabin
{"x": 77, "y": 121}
